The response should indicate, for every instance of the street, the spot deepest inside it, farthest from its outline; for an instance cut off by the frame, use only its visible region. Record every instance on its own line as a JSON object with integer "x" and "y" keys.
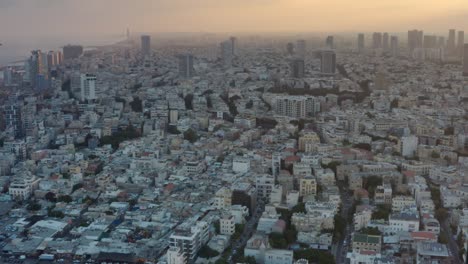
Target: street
{"x": 247, "y": 233}
{"x": 452, "y": 244}
{"x": 340, "y": 249}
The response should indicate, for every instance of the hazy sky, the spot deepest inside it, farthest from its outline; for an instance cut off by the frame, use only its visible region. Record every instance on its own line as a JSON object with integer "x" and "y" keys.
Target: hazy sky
{"x": 91, "y": 17}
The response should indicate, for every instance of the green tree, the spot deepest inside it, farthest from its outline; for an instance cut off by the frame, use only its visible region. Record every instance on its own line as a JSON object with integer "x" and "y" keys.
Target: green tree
{"x": 382, "y": 212}
{"x": 443, "y": 238}
{"x": 249, "y": 104}
{"x": 56, "y": 214}
{"x": 191, "y": 135}
{"x": 207, "y": 252}
{"x": 217, "y": 227}
{"x": 50, "y": 196}
{"x": 340, "y": 227}
{"x": 371, "y": 231}
{"x": 137, "y": 105}
{"x": 34, "y": 206}
{"x": 65, "y": 199}
{"x": 314, "y": 256}
{"x": 250, "y": 260}
{"x": 278, "y": 241}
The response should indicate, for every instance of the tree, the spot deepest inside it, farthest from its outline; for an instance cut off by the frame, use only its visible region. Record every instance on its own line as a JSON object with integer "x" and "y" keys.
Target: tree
{"x": 370, "y": 184}
{"x": 290, "y": 235}
{"x": 250, "y": 260}
{"x": 56, "y": 214}
{"x": 238, "y": 231}
{"x": 129, "y": 133}
{"x": 191, "y": 135}
{"x": 435, "y": 155}
{"x": 77, "y": 186}
{"x": 331, "y": 165}
{"x": 299, "y": 208}
{"x": 137, "y": 104}
{"x": 443, "y": 238}
{"x": 249, "y": 104}
{"x": 340, "y": 227}
{"x": 370, "y": 231}
{"x": 441, "y": 214}
{"x": 50, "y": 196}
{"x": 217, "y": 227}
{"x": 34, "y": 206}
{"x": 383, "y": 211}
{"x": 65, "y": 199}
{"x": 314, "y": 256}
{"x": 173, "y": 130}
{"x": 207, "y": 252}
{"x": 278, "y": 241}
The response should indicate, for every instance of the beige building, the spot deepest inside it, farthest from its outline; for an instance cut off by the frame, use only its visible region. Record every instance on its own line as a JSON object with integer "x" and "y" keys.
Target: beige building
{"x": 307, "y": 186}
{"x": 308, "y": 138}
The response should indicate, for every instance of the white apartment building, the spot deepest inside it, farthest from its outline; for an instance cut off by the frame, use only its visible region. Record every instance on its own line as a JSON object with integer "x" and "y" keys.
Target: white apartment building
{"x": 175, "y": 255}
{"x": 401, "y": 202}
{"x": 408, "y": 146}
{"x": 278, "y": 256}
{"x": 227, "y": 225}
{"x": 264, "y": 184}
{"x": 22, "y": 189}
{"x": 241, "y": 164}
{"x": 88, "y": 87}
{"x": 404, "y": 221}
{"x": 223, "y": 198}
{"x": 296, "y": 106}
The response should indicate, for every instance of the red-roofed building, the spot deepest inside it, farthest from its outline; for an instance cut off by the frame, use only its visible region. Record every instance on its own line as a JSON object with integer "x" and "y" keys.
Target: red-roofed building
{"x": 288, "y": 161}
{"x": 423, "y": 236}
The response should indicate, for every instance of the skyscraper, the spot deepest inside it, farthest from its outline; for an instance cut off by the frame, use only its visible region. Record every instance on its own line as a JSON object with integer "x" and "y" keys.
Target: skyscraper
{"x": 38, "y": 70}
{"x": 301, "y": 48}
{"x": 377, "y": 40}
{"x": 12, "y": 115}
{"x": 88, "y": 87}
{"x": 185, "y": 65}
{"x": 441, "y": 42}
{"x": 226, "y": 53}
{"x": 290, "y": 48}
{"x": 328, "y": 62}
{"x": 451, "y": 42}
{"x": 394, "y": 46}
{"x": 145, "y": 45}
{"x": 233, "y": 45}
{"x": 430, "y": 42}
{"x": 361, "y": 44}
{"x": 461, "y": 42}
{"x": 329, "y": 43}
{"x": 415, "y": 40}
{"x": 385, "y": 41}
{"x": 465, "y": 60}
{"x": 297, "y": 68}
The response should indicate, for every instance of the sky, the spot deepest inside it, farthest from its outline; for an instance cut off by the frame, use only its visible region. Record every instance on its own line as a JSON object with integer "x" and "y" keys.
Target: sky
{"x": 31, "y": 18}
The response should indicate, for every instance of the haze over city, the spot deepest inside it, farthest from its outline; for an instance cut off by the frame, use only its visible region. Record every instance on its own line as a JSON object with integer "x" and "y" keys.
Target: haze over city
{"x": 233, "y": 132}
{"x": 92, "y": 17}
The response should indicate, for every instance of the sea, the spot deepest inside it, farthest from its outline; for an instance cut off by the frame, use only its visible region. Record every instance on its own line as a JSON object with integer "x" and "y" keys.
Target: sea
{"x": 18, "y": 48}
